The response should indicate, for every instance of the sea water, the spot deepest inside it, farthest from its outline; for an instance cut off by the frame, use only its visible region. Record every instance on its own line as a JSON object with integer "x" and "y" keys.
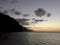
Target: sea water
{"x": 32, "y": 38}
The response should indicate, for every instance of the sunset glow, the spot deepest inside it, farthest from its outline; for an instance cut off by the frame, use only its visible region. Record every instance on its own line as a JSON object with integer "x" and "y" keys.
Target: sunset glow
{"x": 45, "y": 28}
{"x": 38, "y": 15}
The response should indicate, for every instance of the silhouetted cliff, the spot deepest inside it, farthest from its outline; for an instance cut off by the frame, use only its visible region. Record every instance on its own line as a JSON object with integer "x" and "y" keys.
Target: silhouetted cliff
{"x": 8, "y": 24}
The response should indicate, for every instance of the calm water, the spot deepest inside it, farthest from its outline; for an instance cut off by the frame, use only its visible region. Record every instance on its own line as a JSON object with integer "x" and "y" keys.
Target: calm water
{"x": 31, "y": 38}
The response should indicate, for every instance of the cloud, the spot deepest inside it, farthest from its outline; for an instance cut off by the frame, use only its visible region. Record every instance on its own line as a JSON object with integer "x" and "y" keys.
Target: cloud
{"x": 41, "y": 20}
{"x": 37, "y": 20}
{"x": 17, "y": 13}
{"x": 49, "y": 14}
{"x": 12, "y": 11}
{"x": 40, "y": 12}
{"x": 5, "y": 11}
{"x": 25, "y": 15}
{"x": 33, "y": 19}
{"x": 23, "y": 21}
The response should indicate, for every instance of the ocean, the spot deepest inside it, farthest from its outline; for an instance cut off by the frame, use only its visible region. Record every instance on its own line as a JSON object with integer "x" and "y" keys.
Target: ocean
{"x": 31, "y": 38}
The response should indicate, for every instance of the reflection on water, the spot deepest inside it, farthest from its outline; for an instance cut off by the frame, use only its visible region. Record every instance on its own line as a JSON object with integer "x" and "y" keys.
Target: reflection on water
{"x": 31, "y": 38}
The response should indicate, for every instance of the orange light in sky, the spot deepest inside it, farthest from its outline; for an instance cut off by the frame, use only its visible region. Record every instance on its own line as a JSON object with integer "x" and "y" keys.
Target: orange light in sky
{"x": 45, "y": 28}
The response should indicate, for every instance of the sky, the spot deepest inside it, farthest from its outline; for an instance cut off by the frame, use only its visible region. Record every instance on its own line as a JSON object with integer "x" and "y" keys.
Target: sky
{"x": 28, "y": 16}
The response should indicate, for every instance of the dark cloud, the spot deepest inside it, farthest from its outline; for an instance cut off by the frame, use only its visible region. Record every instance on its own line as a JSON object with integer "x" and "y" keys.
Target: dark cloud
{"x": 25, "y": 15}
{"x": 37, "y": 20}
{"x": 23, "y": 21}
{"x": 5, "y": 11}
{"x": 40, "y": 12}
{"x": 41, "y": 20}
{"x": 33, "y": 19}
{"x": 49, "y": 14}
{"x": 12, "y": 11}
{"x": 17, "y": 13}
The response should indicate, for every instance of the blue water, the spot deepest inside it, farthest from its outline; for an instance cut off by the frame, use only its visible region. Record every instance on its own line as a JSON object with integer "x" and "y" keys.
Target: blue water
{"x": 33, "y": 38}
